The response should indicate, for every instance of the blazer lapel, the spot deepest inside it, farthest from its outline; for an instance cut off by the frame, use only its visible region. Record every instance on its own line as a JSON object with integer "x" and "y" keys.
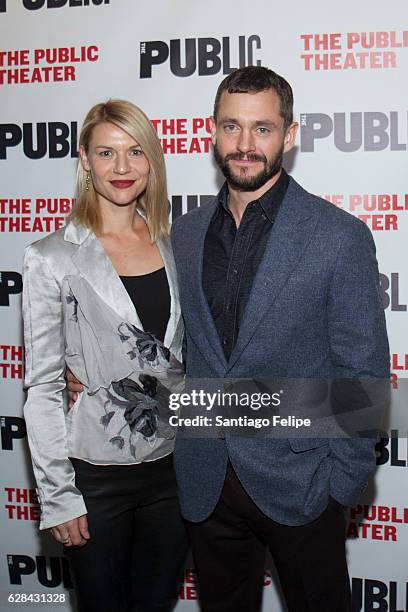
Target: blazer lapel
{"x": 97, "y": 269}
{"x": 175, "y": 311}
{"x": 292, "y": 231}
{"x": 202, "y": 321}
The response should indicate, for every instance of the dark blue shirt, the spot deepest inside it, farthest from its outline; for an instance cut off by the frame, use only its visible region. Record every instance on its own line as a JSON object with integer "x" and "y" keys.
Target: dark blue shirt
{"x": 232, "y": 257}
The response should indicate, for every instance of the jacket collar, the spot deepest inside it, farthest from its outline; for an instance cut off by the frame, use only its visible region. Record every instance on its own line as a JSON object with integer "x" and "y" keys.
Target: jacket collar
{"x": 293, "y": 229}
{"x": 76, "y": 233}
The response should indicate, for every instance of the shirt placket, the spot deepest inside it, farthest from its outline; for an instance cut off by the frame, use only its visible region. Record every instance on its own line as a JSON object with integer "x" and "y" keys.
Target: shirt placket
{"x": 236, "y": 270}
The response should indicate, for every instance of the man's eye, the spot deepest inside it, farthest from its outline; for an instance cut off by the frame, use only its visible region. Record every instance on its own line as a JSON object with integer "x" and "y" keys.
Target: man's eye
{"x": 230, "y": 127}
{"x": 263, "y": 130}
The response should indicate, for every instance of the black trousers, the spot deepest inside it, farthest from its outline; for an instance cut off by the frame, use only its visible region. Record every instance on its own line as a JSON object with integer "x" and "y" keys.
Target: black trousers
{"x": 229, "y": 554}
{"x": 138, "y": 544}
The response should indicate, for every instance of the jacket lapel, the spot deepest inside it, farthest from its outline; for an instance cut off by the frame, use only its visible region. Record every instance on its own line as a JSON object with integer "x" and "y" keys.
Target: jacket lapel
{"x": 201, "y": 321}
{"x": 175, "y": 311}
{"x": 97, "y": 269}
{"x": 290, "y": 235}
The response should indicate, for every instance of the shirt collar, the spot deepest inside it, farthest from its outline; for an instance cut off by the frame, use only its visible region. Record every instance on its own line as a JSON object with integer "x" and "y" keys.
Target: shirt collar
{"x": 269, "y": 201}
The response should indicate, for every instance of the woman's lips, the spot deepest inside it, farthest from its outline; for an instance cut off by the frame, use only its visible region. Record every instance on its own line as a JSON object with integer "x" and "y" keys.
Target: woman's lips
{"x": 122, "y": 184}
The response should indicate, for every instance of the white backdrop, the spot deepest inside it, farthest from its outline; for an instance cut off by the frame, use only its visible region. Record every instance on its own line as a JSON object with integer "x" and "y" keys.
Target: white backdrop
{"x": 347, "y": 63}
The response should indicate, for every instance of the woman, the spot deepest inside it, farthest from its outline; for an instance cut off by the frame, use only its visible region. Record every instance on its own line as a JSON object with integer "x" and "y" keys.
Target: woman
{"x": 100, "y": 297}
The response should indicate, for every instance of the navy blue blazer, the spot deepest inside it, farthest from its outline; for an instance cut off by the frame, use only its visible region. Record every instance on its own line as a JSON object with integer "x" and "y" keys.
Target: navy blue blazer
{"x": 314, "y": 312}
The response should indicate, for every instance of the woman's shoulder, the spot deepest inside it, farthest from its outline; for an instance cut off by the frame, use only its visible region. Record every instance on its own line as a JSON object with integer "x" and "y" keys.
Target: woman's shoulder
{"x": 63, "y": 240}
{"x": 55, "y": 251}
{"x": 48, "y": 243}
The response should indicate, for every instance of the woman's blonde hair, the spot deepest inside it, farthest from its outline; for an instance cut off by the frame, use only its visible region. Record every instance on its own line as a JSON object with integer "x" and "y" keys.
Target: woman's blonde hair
{"x": 153, "y": 202}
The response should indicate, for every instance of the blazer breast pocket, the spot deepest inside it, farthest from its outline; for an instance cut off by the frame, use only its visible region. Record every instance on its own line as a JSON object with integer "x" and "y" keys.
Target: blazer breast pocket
{"x": 300, "y": 445}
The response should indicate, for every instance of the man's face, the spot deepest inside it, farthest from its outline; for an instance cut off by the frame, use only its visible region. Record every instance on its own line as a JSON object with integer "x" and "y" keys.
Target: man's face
{"x": 249, "y": 138}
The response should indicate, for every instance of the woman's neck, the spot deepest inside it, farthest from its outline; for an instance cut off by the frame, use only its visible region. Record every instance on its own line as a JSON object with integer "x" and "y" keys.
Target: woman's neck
{"x": 118, "y": 220}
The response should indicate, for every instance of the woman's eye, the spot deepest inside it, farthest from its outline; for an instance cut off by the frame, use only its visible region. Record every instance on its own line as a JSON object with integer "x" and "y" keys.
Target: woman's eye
{"x": 136, "y": 152}
{"x": 105, "y": 153}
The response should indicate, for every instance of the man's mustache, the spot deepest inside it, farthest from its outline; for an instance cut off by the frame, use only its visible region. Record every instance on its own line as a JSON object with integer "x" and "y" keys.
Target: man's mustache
{"x": 244, "y": 156}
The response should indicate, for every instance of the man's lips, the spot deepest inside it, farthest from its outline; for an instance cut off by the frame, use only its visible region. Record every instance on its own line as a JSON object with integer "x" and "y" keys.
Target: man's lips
{"x": 246, "y": 162}
{"x": 243, "y": 160}
{"x": 122, "y": 184}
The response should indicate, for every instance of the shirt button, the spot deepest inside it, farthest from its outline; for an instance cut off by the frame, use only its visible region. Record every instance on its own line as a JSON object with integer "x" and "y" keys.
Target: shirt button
{"x": 225, "y": 342}
{"x": 235, "y": 270}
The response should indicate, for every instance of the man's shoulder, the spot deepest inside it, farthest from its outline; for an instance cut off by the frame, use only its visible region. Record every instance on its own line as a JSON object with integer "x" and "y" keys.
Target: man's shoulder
{"x": 187, "y": 227}
{"x": 192, "y": 217}
{"x": 338, "y": 219}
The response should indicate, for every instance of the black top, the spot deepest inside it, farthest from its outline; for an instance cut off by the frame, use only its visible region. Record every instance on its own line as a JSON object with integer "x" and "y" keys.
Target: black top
{"x": 232, "y": 257}
{"x": 150, "y": 295}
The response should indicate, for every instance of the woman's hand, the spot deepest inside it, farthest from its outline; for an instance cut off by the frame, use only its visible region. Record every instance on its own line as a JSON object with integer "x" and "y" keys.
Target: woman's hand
{"x": 74, "y": 387}
{"x": 72, "y": 533}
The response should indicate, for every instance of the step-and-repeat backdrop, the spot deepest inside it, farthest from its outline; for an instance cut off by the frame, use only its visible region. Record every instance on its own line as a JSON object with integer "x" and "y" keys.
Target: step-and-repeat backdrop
{"x": 348, "y": 65}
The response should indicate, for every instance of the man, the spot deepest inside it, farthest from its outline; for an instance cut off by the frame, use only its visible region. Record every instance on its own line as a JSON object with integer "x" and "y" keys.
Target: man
{"x": 274, "y": 282}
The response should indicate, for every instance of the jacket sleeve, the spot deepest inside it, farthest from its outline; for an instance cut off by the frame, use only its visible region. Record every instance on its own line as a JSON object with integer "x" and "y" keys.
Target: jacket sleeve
{"x": 360, "y": 352}
{"x": 44, "y": 342}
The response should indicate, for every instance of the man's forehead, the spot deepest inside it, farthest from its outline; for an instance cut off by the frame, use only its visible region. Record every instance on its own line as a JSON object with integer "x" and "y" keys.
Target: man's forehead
{"x": 254, "y": 106}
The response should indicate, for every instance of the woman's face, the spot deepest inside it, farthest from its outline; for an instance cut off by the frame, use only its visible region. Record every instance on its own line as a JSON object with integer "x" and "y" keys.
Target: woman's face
{"x": 118, "y": 166}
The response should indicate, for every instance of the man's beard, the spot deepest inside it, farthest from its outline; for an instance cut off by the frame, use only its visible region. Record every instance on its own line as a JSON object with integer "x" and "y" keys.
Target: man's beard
{"x": 249, "y": 183}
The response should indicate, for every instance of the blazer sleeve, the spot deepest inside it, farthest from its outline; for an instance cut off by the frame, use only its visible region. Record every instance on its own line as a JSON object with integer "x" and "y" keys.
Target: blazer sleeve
{"x": 360, "y": 352}
{"x": 59, "y": 498}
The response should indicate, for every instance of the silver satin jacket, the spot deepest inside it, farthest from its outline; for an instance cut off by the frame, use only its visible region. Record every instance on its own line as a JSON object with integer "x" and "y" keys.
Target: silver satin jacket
{"x": 77, "y": 313}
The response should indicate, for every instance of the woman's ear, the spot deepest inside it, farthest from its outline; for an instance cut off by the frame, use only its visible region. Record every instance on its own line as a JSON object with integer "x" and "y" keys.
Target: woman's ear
{"x": 84, "y": 159}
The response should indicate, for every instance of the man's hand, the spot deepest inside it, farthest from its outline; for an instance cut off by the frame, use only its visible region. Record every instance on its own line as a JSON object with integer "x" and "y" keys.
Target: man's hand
{"x": 72, "y": 533}
{"x": 74, "y": 387}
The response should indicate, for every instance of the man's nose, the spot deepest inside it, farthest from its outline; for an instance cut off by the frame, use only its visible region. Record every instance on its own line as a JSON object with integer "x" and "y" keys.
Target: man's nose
{"x": 246, "y": 142}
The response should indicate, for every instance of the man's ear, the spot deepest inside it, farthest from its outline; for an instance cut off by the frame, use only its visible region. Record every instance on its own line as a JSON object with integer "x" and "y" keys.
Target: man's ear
{"x": 290, "y": 137}
{"x": 213, "y": 128}
{"x": 84, "y": 159}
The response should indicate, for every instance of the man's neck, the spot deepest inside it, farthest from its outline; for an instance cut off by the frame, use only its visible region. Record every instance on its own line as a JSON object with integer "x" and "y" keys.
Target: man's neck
{"x": 239, "y": 200}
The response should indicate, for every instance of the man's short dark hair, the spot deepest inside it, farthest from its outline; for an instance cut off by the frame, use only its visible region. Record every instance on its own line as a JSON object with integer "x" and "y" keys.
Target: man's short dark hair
{"x": 253, "y": 79}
